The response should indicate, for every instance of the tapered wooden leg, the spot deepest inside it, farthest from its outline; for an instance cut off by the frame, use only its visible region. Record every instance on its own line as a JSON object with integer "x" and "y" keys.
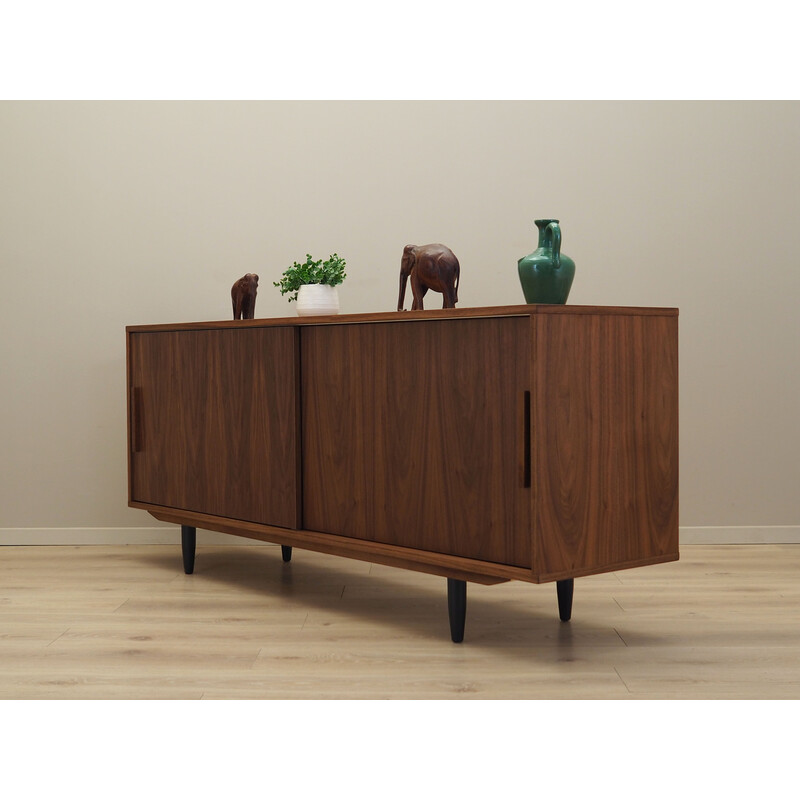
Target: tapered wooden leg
{"x": 286, "y": 552}
{"x": 564, "y": 590}
{"x": 457, "y": 607}
{"x": 188, "y": 544}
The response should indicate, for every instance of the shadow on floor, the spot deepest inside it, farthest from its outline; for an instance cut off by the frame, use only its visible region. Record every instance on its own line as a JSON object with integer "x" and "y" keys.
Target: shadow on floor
{"x": 506, "y": 616}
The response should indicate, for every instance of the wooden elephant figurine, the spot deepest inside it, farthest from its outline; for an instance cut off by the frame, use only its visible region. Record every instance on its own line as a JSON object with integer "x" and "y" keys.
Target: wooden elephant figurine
{"x": 243, "y": 294}
{"x": 431, "y": 266}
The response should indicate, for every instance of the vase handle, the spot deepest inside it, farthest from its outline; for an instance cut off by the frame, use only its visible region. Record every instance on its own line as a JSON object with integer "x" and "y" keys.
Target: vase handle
{"x": 553, "y": 231}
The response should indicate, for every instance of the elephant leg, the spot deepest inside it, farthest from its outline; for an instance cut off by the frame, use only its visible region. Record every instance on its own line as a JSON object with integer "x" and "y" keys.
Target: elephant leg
{"x": 449, "y": 295}
{"x": 418, "y": 290}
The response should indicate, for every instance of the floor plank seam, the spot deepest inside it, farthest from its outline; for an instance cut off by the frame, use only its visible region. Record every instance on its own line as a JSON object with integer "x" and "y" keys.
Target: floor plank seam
{"x": 63, "y": 633}
{"x": 623, "y": 681}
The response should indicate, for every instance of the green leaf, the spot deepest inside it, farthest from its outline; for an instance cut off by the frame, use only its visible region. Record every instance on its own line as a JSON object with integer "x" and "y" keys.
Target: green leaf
{"x": 330, "y": 272}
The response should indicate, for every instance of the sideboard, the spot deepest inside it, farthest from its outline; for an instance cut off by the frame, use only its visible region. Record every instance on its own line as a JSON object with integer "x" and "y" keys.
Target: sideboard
{"x": 536, "y": 443}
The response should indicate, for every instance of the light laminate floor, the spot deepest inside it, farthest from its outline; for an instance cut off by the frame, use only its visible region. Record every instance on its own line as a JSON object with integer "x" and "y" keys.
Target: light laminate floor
{"x": 125, "y": 622}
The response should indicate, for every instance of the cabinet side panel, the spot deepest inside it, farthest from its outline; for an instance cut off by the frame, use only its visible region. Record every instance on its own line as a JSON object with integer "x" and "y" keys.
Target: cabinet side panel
{"x": 217, "y": 422}
{"x": 606, "y": 441}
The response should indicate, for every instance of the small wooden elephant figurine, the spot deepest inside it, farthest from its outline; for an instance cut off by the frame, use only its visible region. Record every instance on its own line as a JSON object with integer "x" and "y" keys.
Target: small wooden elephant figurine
{"x": 243, "y": 294}
{"x": 431, "y": 266}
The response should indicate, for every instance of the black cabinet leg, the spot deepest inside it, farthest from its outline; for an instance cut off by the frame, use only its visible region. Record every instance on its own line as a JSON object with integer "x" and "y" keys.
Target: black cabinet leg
{"x": 457, "y": 607}
{"x": 286, "y": 552}
{"x": 188, "y": 544}
{"x": 565, "y": 590}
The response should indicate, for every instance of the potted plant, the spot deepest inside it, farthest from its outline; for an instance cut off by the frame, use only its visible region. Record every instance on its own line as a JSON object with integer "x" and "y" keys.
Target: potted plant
{"x": 313, "y": 285}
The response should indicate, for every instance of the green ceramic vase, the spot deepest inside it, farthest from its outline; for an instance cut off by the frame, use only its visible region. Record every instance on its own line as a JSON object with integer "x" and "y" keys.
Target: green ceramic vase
{"x": 546, "y": 274}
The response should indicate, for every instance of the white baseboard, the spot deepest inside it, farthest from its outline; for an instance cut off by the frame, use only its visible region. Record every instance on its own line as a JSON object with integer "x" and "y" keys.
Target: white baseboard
{"x": 764, "y": 534}
{"x": 768, "y": 534}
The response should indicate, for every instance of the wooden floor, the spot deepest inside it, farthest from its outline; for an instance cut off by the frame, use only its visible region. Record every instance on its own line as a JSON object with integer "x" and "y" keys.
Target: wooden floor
{"x": 125, "y": 622}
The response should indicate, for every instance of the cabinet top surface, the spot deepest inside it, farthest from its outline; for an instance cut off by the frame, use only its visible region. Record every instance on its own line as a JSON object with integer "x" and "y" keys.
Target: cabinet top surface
{"x": 412, "y": 316}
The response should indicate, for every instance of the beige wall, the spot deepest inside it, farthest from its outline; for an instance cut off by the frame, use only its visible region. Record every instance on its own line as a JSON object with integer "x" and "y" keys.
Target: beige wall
{"x": 126, "y": 212}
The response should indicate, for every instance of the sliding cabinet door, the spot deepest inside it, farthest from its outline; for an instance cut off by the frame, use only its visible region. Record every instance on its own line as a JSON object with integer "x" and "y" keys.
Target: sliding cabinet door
{"x": 214, "y": 422}
{"x": 413, "y": 434}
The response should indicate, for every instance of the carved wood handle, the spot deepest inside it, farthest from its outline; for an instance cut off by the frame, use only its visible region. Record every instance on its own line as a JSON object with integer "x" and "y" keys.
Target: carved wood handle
{"x": 525, "y": 460}
{"x": 136, "y": 428}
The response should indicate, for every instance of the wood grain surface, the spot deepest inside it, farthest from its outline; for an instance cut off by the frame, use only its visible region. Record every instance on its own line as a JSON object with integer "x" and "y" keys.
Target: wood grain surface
{"x": 606, "y": 441}
{"x": 444, "y": 564}
{"x": 410, "y": 316}
{"x": 418, "y": 427}
{"x": 532, "y": 438}
{"x": 214, "y": 422}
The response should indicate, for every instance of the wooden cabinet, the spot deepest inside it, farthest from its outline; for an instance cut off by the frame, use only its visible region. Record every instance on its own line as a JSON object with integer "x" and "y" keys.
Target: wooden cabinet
{"x": 535, "y": 443}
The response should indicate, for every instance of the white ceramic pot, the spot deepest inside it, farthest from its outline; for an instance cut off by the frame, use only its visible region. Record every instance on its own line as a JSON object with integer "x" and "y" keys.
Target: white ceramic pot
{"x": 317, "y": 299}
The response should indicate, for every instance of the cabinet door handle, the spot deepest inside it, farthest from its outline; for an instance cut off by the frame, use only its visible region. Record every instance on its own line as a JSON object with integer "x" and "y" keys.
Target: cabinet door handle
{"x": 136, "y": 413}
{"x": 525, "y": 465}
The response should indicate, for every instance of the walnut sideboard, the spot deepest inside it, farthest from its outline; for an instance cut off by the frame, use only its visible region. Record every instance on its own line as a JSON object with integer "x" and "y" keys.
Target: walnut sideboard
{"x": 534, "y": 443}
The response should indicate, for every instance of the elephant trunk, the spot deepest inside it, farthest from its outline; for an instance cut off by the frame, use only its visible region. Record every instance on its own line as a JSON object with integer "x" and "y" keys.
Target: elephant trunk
{"x": 406, "y": 265}
{"x": 402, "y": 297}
